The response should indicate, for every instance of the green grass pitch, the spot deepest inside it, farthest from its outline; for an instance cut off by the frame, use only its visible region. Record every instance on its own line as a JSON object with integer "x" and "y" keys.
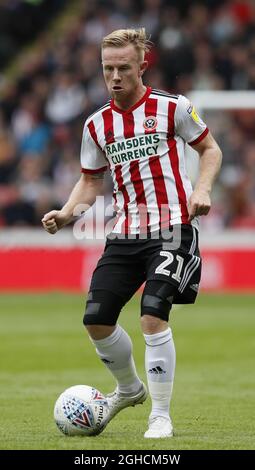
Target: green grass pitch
{"x": 44, "y": 349}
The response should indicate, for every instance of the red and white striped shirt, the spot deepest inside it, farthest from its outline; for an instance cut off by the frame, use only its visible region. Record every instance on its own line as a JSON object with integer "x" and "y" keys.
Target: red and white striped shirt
{"x": 144, "y": 148}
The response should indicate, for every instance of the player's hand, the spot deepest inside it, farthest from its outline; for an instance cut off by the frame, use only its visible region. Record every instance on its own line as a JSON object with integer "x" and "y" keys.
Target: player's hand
{"x": 199, "y": 203}
{"x": 54, "y": 221}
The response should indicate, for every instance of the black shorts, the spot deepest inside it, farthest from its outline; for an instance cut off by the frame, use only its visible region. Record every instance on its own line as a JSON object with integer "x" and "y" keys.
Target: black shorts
{"x": 126, "y": 264}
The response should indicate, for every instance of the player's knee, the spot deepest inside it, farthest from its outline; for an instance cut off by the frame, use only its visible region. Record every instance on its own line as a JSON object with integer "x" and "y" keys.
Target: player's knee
{"x": 98, "y": 332}
{"x": 157, "y": 300}
{"x": 151, "y": 324}
{"x": 155, "y": 306}
{"x": 102, "y": 308}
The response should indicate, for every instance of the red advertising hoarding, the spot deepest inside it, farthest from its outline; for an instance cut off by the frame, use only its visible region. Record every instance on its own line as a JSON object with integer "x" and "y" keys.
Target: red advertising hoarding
{"x": 69, "y": 268}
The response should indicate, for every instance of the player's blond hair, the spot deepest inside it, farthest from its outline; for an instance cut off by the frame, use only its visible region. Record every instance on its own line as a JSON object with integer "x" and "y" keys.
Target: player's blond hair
{"x": 123, "y": 37}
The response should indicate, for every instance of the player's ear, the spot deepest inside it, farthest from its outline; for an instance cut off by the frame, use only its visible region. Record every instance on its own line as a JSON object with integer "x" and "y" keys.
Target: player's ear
{"x": 143, "y": 67}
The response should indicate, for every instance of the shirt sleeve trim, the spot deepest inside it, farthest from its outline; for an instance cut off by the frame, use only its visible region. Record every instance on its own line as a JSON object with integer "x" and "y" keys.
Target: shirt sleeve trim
{"x": 200, "y": 138}
{"x": 92, "y": 172}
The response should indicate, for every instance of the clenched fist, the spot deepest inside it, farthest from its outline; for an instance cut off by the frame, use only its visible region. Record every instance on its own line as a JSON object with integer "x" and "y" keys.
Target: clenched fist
{"x": 199, "y": 203}
{"x": 54, "y": 221}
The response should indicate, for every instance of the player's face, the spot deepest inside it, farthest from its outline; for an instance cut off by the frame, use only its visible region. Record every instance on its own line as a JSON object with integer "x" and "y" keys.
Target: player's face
{"x": 122, "y": 72}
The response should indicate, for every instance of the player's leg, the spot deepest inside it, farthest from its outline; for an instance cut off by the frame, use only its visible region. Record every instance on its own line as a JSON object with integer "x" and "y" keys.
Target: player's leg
{"x": 173, "y": 275}
{"x": 159, "y": 355}
{"x": 113, "y": 344}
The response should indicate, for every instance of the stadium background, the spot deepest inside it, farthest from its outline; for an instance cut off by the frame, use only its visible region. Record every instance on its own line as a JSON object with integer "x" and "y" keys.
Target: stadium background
{"x": 50, "y": 81}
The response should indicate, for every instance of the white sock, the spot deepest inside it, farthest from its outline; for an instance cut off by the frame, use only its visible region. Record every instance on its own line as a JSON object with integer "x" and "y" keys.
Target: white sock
{"x": 116, "y": 353}
{"x": 160, "y": 367}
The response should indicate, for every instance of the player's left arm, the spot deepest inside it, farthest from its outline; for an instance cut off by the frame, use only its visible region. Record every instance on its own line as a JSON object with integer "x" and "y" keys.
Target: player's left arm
{"x": 210, "y": 163}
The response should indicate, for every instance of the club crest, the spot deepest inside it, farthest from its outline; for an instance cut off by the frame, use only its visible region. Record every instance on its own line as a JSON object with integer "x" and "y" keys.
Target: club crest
{"x": 150, "y": 123}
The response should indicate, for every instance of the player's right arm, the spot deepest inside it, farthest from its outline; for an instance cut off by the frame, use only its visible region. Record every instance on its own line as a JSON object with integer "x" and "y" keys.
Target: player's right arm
{"x": 84, "y": 192}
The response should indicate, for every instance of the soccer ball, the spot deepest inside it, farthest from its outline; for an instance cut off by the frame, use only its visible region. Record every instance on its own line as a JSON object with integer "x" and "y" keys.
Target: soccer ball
{"x": 81, "y": 410}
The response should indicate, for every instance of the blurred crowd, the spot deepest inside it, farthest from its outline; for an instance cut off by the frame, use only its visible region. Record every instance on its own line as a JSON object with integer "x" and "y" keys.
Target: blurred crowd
{"x": 21, "y": 21}
{"x": 207, "y": 45}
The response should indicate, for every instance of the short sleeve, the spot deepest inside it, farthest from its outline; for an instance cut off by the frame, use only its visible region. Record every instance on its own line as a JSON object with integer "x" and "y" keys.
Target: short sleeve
{"x": 187, "y": 122}
{"x": 92, "y": 156}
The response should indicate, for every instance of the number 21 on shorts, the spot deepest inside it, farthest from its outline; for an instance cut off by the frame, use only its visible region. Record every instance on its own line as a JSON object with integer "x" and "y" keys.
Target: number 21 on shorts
{"x": 161, "y": 269}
